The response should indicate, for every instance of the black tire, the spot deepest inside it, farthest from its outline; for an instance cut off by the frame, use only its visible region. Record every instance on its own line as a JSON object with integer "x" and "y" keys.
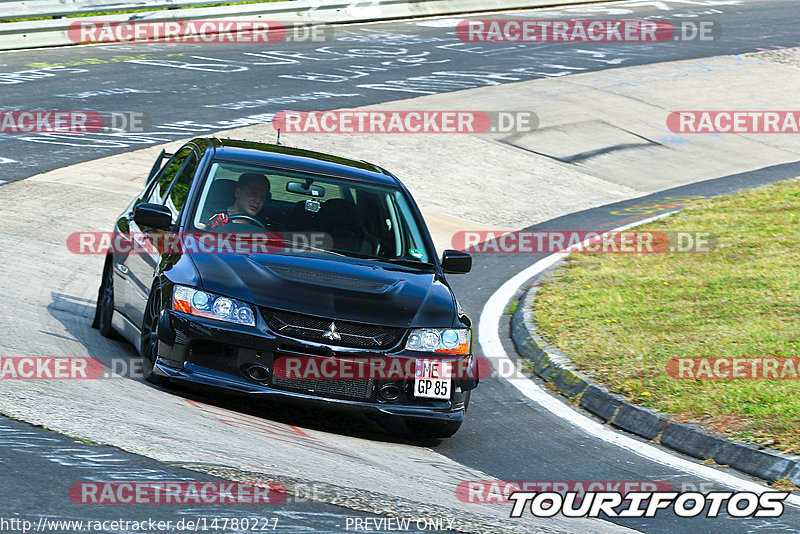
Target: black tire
{"x": 433, "y": 429}
{"x": 150, "y": 339}
{"x": 104, "y": 311}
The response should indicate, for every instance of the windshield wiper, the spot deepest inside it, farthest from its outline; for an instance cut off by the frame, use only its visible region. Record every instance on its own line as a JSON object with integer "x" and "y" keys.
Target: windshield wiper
{"x": 315, "y": 249}
{"x": 402, "y": 261}
{"x": 399, "y": 261}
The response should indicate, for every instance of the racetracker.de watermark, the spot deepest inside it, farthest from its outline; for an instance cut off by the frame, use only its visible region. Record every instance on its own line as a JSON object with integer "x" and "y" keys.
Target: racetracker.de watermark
{"x": 378, "y": 368}
{"x": 736, "y": 122}
{"x": 50, "y": 368}
{"x": 178, "y": 493}
{"x": 572, "y": 241}
{"x": 68, "y": 368}
{"x": 585, "y": 31}
{"x": 196, "y": 242}
{"x": 406, "y": 122}
{"x": 72, "y": 122}
{"x": 732, "y": 368}
{"x": 198, "y": 31}
{"x": 449, "y": 366}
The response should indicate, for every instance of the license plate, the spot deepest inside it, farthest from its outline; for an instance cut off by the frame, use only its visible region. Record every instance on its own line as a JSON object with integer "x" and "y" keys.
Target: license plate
{"x": 432, "y": 379}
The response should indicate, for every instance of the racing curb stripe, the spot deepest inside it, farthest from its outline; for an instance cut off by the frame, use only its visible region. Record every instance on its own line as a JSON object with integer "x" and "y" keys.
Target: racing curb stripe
{"x": 552, "y": 365}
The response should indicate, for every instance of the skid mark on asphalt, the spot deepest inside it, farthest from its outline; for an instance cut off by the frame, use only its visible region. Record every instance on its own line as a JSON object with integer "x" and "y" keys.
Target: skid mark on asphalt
{"x": 270, "y": 430}
{"x": 456, "y": 472}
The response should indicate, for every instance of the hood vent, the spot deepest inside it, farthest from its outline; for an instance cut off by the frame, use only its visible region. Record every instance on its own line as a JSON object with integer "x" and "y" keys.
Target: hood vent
{"x": 329, "y": 279}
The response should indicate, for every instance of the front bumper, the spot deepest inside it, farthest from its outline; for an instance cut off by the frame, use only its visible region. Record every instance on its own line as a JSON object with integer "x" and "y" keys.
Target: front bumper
{"x": 214, "y": 354}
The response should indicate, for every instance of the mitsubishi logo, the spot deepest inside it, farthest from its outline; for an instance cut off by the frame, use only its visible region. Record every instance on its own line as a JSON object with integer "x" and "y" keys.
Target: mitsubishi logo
{"x": 332, "y": 334}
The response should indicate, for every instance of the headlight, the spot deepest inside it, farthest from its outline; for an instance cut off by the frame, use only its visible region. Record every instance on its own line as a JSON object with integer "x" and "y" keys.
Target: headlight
{"x": 197, "y": 302}
{"x": 446, "y": 340}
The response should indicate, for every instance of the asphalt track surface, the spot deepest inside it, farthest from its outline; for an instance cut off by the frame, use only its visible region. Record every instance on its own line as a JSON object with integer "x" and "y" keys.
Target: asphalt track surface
{"x": 505, "y": 435}
{"x": 188, "y": 89}
{"x": 45, "y": 464}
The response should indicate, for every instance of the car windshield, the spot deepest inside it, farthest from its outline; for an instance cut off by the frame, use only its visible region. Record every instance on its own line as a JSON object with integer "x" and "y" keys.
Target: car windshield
{"x": 317, "y": 213}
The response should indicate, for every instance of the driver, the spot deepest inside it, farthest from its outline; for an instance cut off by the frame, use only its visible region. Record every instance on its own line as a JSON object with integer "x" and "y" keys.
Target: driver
{"x": 252, "y": 191}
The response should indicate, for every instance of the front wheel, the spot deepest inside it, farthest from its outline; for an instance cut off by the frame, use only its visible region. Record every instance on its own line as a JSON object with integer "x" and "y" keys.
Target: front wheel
{"x": 104, "y": 312}
{"x": 433, "y": 429}
{"x": 150, "y": 340}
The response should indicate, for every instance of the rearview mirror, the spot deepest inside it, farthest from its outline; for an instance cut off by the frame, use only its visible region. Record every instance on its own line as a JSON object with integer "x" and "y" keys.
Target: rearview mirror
{"x": 303, "y": 189}
{"x": 456, "y": 262}
{"x": 155, "y": 216}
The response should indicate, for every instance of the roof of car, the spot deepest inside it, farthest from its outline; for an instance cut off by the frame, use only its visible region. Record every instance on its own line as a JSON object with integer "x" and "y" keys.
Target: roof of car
{"x": 299, "y": 159}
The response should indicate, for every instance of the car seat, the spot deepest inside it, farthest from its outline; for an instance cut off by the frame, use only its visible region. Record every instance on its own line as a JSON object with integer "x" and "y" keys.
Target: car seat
{"x": 341, "y": 219}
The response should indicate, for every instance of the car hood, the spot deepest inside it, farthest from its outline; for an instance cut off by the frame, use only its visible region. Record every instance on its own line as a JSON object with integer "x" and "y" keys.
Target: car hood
{"x": 374, "y": 293}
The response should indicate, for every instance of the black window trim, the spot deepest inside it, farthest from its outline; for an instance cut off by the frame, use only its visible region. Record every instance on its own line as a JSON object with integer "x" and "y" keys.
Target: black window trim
{"x": 149, "y": 190}
{"x": 179, "y": 174}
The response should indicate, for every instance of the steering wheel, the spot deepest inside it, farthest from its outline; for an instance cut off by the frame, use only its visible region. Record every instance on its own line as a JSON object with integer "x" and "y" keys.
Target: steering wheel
{"x": 249, "y": 219}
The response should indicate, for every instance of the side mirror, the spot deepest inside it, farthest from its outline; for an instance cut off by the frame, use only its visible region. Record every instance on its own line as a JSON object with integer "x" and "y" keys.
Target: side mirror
{"x": 155, "y": 216}
{"x": 456, "y": 262}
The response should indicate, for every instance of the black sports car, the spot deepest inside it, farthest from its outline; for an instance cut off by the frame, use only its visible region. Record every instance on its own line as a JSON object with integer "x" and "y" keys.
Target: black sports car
{"x": 370, "y": 289}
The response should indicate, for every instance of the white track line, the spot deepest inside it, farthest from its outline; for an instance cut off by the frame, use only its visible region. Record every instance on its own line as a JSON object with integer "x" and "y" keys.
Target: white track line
{"x": 489, "y": 338}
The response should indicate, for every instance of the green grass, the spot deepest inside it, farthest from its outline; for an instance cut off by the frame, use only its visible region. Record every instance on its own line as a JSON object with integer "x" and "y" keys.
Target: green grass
{"x": 621, "y": 317}
{"x": 512, "y": 307}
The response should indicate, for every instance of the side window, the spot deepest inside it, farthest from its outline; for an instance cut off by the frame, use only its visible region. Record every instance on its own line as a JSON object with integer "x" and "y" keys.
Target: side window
{"x": 180, "y": 187}
{"x": 168, "y": 174}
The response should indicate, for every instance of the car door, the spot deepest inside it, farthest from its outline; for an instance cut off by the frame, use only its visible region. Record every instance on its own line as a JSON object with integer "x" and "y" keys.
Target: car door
{"x": 126, "y": 299}
{"x": 139, "y": 266}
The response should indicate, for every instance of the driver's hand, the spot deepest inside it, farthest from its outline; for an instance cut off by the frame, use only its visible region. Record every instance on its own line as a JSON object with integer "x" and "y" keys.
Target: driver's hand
{"x": 219, "y": 219}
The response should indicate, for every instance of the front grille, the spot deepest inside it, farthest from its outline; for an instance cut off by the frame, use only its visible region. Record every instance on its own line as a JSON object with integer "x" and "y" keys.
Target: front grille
{"x": 346, "y": 388}
{"x": 311, "y": 328}
{"x": 213, "y": 355}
